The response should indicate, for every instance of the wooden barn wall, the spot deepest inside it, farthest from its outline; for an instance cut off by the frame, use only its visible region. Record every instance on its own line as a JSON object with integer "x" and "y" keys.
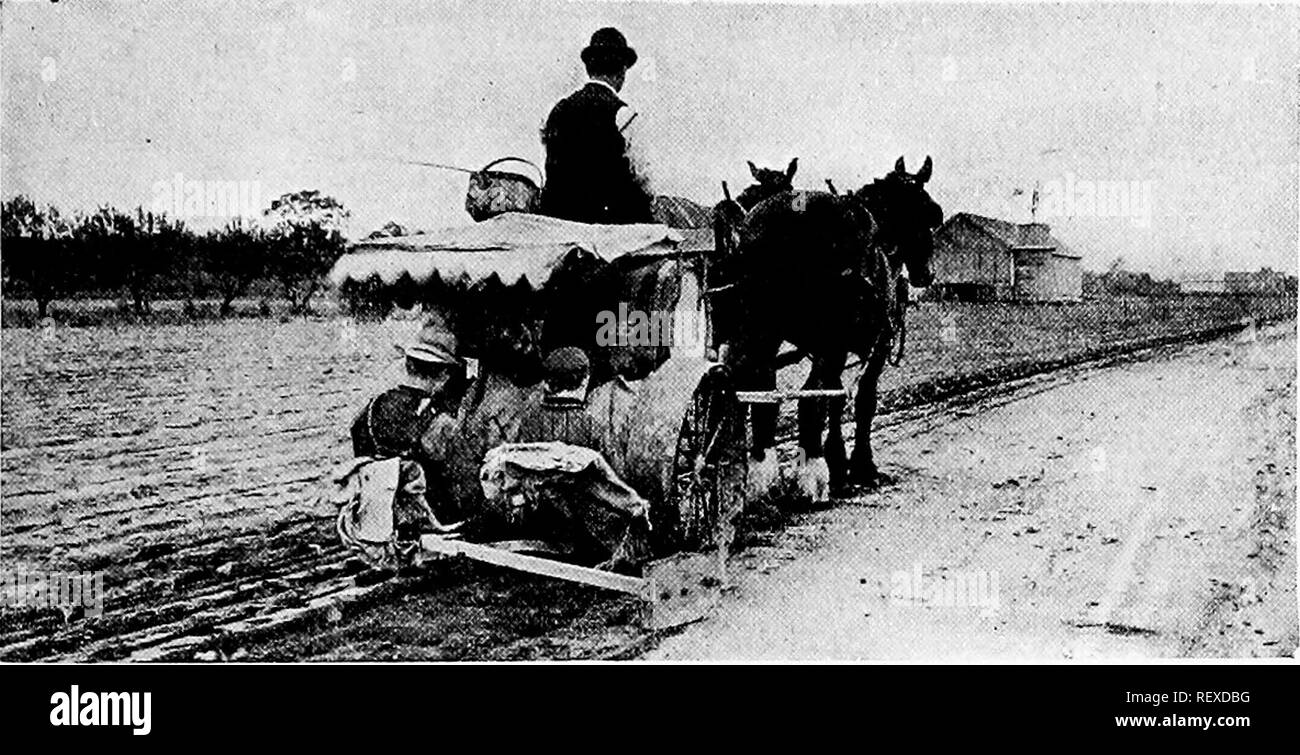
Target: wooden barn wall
{"x": 1069, "y": 278}
{"x": 964, "y": 254}
{"x": 1033, "y": 275}
{"x": 1043, "y": 276}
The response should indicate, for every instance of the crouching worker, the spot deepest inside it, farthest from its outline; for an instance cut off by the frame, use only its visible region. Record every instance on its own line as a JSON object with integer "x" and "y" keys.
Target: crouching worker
{"x": 389, "y": 494}
{"x": 555, "y": 483}
{"x": 562, "y": 414}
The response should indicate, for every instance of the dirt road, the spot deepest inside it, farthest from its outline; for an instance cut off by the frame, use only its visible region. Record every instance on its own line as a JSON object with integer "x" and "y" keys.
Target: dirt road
{"x": 1143, "y": 510}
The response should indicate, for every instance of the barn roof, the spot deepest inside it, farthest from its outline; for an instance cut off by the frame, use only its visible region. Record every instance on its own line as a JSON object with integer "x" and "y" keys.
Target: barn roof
{"x": 1064, "y": 251}
{"x": 1019, "y": 235}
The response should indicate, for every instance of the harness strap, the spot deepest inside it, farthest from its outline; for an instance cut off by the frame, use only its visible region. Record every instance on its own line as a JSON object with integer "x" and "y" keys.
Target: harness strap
{"x": 895, "y": 292}
{"x": 902, "y": 334}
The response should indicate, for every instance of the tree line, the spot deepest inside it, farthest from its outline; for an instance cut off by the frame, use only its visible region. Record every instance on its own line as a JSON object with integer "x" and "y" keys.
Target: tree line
{"x": 142, "y": 256}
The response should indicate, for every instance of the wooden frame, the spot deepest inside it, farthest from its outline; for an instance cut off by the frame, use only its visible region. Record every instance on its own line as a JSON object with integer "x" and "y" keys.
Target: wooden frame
{"x": 677, "y": 590}
{"x": 775, "y": 397}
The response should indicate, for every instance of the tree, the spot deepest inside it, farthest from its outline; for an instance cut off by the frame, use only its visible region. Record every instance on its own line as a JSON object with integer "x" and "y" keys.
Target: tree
{"x": 305, "y": 231}
{"x": 133, "y": 251}
{"x": 389, "y": 230}
{"x": 233, "y": 258}
{"x": 171, "y": 260}
{"x": 34, "y": 243}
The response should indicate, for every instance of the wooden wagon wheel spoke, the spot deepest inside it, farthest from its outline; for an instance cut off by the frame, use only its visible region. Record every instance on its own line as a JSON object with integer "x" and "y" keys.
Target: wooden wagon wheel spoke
{"x": 693, "y": 501}
{"x": 688, "y": 492}
{"x": 697, "y": 484}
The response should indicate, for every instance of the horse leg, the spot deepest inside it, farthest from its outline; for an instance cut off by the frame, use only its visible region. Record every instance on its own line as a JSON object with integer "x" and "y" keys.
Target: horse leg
{"x": 753, "y": 368}
{"x": 812, "y": 412}
{"x": 837, "y": 463}
{"x": 836, "y": 460}
{"x": 862, "y": 465}
{"x": 816, "y": 478}
{"x": 759, "y": 374}
{"x": 823, "y": 414}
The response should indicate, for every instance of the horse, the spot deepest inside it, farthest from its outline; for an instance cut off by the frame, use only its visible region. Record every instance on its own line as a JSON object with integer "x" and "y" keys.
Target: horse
{"x": 767, "y": 182}
{"x": 825, "y": 272}
{"x": 684, "y": 214}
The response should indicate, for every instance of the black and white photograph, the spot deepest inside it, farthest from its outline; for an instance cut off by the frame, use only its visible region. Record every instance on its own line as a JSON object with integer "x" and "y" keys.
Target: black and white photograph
{"x": 341, "y": 332}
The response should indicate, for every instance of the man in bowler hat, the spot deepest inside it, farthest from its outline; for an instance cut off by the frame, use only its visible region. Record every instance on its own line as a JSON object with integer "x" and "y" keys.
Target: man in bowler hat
{"x": 590, "y": 176}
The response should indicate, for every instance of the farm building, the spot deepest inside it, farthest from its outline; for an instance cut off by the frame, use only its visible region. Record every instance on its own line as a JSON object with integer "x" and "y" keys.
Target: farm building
{"x": 1263, "y": 281}
{"x": 981, "y": 258}
{"x": 1127, "y": 283}
{"x": 1202, "y": 283}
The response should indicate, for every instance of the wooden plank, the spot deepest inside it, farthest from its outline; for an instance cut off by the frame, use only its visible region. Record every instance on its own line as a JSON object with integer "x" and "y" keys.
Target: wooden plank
{"x": 533, "y": 565}
{"x": 774, "y": 397}
{"x": 531, "y": 546}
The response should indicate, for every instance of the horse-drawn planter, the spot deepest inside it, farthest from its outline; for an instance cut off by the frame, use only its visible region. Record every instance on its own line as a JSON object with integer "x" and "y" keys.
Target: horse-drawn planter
{"x": 668, "y": 420}
{"x": 654, "y": 308}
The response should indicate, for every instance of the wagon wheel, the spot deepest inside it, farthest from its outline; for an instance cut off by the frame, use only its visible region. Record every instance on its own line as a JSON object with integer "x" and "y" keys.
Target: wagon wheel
{"x": 708, "y": 471}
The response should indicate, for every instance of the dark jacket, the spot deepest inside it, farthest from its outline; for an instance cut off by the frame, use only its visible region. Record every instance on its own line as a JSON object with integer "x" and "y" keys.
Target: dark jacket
{"x": 589, "y": 178}
{"x": 562, "y": 420}
{"x": 391, "y": 424}
{"x": 395, "y": 423}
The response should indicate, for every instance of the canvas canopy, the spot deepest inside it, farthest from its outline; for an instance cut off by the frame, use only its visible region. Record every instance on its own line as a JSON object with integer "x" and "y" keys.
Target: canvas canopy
{"x": 515, "y": 247}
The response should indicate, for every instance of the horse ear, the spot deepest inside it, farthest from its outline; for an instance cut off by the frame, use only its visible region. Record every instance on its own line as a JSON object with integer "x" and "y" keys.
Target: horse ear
{"x": 923, "y": 174}
{"x": 753, "y": 170}
{"x": 899, "y": 167}
{"x": 789, "y": 171}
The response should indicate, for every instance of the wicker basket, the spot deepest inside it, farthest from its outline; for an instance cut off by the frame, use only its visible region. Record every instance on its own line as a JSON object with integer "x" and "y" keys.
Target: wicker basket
{"x": 492, "y": 192}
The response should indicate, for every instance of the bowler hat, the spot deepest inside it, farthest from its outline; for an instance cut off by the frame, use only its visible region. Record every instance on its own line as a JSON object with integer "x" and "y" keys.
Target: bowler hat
{"x": 609, "y": 44}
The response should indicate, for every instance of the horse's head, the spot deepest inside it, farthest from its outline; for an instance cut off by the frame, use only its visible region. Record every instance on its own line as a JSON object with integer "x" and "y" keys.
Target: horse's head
{"x": 767, "y": 183}
{"x": 774, "y": 179}
{"x": 906, "y": 217}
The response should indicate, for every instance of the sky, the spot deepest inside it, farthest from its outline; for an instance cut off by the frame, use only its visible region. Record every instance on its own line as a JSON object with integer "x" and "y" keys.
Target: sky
{"x": 1191, "y": 111}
